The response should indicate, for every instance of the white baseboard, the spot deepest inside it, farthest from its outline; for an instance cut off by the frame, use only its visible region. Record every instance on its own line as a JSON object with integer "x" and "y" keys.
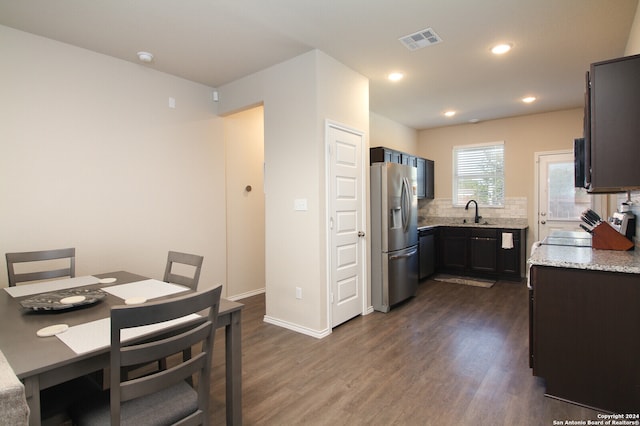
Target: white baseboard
{"x": 297, "y": 328}
{"x": 247, "y": 294}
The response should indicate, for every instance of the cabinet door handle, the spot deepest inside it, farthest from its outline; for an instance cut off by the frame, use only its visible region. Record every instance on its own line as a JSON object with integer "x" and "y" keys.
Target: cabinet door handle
{"x": 360, "y": 234}
{"x": 543, "y": 222}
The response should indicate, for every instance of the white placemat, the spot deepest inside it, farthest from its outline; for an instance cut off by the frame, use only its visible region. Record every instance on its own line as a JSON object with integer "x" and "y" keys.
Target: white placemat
{"x": 95, "y": 335}
{"x": 147, "y": 289}
{"x": 49, "y": 286}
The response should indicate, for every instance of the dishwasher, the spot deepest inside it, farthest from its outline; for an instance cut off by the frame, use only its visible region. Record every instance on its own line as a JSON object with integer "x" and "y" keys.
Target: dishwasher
{"x": 427, "y": 249}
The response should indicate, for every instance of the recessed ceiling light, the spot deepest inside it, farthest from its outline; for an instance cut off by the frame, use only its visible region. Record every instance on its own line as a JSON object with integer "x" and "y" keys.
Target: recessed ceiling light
{"x": 450, "y": 113}
{"x": 145, "y": 57}
{"x": 528, "y": 99}
{"x": 501, "y": 49}
{"x": 395, "y": 76}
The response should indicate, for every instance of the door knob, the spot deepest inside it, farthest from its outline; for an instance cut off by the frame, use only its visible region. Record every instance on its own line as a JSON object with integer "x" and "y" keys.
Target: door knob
{"x": 543, "y": 222}
{"x": 360, "y": 234}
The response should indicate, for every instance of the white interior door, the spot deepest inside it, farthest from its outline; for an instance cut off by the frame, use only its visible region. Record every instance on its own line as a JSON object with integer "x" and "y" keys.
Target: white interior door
{"x": 346, "y": 224}
{"x": 559, "y": 203}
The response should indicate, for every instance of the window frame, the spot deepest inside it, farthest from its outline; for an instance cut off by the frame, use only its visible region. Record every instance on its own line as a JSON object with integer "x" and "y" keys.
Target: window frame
{"x": 499, "y": 202}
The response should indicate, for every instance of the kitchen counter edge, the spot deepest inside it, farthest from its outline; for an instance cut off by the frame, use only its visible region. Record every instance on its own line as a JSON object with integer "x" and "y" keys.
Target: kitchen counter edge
{"x": 485, "y": 224}
{"x": 586, "y": 258}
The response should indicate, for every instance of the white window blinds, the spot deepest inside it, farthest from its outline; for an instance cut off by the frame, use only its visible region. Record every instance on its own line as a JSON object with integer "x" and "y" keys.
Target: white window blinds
{"x": 478, "y": 174}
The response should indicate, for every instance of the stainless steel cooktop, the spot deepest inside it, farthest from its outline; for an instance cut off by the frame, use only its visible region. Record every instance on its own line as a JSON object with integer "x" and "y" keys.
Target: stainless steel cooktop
{"x": 568, "y": 238}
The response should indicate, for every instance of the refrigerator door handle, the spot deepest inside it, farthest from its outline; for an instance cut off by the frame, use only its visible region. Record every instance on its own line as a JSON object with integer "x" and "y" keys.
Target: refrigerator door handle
{"x": 402, "y": 204}
{"x": 400, "y": 256}
{"x": 406, "y": 203}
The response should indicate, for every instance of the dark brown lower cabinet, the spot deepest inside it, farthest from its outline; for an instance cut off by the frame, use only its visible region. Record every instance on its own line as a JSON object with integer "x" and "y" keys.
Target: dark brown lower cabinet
{"x": 452, "y": 253}
{"x": 483, "y": 246}
{"x": 585, "y": 336}
{"x": 479, "y": 252}
{"x": 512, "y": 261}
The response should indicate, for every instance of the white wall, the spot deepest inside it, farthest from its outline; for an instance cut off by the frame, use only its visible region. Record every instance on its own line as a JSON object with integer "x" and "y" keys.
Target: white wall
{"x": 633, "y": 42}
{"x": 298, "y": 95}
{"x": 391, "y": 134}
{"x": 343, "y": 97}
{"x": 92, "y": 157}
{"x": 244, "y": 152}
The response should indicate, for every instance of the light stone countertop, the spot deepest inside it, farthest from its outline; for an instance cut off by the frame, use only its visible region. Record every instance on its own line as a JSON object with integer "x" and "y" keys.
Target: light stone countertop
{"x": 586, "y": 258}
{"x": 502, "y": 223}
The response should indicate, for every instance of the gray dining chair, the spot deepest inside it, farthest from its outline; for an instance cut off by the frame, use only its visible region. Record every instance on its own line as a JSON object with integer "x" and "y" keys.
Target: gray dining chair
{"x": 192, "y": 260}
{"x": 194, "y": 263}
{"x": 163, "y": 397}
{"x": 40, "y": 256}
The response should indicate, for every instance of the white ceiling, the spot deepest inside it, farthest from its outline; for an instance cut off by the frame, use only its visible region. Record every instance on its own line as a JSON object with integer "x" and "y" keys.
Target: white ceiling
{"x": 217, "y": 41}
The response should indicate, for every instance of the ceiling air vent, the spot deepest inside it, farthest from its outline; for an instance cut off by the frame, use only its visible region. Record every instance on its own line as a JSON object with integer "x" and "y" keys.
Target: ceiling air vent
{"x": 420, "y": 39}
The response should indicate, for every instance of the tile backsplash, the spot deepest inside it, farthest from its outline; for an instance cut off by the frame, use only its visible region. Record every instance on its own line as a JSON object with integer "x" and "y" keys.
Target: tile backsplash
{"x": 514, "y": 208}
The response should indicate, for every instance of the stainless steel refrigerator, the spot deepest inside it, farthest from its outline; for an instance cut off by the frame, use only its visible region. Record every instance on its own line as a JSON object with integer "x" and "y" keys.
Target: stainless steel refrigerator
{"x": 394, "y": 234}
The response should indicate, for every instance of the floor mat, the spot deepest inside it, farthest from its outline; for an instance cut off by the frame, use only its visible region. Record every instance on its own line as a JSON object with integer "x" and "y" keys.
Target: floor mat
{"x": 476, "y": 282}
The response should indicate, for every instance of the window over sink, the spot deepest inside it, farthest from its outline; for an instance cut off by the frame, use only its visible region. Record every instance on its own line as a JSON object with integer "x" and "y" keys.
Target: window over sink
{"x": 478, "y": 174}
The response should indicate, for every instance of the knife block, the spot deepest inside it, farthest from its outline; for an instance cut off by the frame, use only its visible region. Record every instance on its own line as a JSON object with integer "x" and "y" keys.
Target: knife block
{"x": 605, "y": 237}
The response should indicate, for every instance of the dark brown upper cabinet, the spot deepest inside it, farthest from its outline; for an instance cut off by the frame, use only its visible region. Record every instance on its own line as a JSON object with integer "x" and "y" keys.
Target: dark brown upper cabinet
{"x": 425, "y": 167}
{"x": 612, "y": 125}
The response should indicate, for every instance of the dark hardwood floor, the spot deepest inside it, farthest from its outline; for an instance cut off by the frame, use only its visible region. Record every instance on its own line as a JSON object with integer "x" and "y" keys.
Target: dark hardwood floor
{"x": 453, "y": 355}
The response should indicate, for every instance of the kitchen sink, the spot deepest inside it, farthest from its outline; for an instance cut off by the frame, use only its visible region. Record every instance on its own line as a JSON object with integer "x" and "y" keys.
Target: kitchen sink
{"x": 470, "y": 222}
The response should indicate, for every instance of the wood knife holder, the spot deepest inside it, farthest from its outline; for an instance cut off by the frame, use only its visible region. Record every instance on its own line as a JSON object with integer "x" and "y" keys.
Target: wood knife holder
{"x": 604, "y": 237}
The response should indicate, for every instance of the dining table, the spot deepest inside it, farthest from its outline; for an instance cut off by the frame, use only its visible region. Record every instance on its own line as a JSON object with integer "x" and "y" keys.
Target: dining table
{"x": 43, "y": 362}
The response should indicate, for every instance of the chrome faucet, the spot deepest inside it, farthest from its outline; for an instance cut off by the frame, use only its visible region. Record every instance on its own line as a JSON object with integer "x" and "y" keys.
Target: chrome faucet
{"x": 477, "y": 218}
